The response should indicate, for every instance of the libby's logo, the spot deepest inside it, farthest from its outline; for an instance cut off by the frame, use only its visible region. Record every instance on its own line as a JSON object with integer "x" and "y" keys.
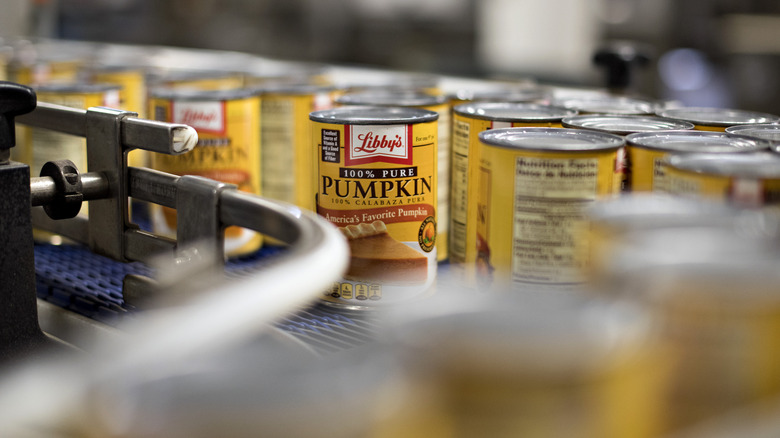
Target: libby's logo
{"x": 371, "y": 143}
{"x": 203, "y": 116}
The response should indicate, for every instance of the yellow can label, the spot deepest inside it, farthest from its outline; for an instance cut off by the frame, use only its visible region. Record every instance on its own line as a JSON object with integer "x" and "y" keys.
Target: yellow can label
{"x": 206, "y": 82}
{"x": 42, "y": 145}
{"x": 444, "y": 177}
{"x": 709, "y": 128}
{"x": 378, "y": 183}
{"x": 228, "y": 150}
{"x": 645, "y": 170}
{"x": 47, "y": 72}
{"x": 465, "y": 186}
{"x": 531, "y": 228}
{"x": 741, "y": 192}
{"x": 288, "y": 162}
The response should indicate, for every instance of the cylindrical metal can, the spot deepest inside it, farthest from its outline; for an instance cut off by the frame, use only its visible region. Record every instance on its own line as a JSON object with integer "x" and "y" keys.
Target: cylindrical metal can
{"x": 377, "y": 180}
{"x": 742, "y": 180}
{"x": 437, "y": 104}
{"x": 541, "y": 365}
{"x": 534, "y": 186}
{"x": 228, "y": 149}
{"x": 469, "y": 120}
{"x": 717, "y": 119}
{"x": 61, "y": 69}
{"x": 645, "y": 152}
{"x": 287, "y": 169}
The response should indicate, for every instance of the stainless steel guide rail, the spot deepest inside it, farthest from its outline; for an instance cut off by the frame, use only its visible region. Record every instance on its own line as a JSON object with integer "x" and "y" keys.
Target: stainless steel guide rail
{"x": 205, "y": 207}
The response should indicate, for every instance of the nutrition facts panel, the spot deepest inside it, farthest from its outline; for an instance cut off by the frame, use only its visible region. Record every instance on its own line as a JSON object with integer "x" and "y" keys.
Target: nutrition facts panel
{"x": 549, "y": 225}
{"x": 277, "y": 159}
{"x": 459, "y": 193}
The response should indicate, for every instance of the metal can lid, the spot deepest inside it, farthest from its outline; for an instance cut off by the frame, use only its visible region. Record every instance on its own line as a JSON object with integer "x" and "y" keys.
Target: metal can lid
{"x": 513, "y": 112}
{"x": 506, "y": 94}
{"x": 763, "y": 131}
{"x": 293, "y": 88}
{"x": 696, "y": 141}
{"x": 382, "y": 80}
{"x": 160, "y": 77}
{"x": 391, "y": 98}
{"x": 551, "y": 139}
{"x": 273, "y": 70}
{"x": 75, "y": 87}
{"x": 725, "y": 117}
{"x": 199, "y": 95}
{"x": 374, "y": 115}
{"x": 624, "y": 125}
{"x": 608, "y": 104}
{"x": 758, "y": 165}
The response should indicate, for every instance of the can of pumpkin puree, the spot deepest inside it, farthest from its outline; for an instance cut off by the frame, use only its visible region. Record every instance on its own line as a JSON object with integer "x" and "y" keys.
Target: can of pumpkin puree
{"x": 534, "y": 187}
{"x": 438, "y": 104}
{"x": 228, "y": 149}
{"x": 645, "y": 153}
{"x": 469, "y": 120}
{"x": 377, "y": 181}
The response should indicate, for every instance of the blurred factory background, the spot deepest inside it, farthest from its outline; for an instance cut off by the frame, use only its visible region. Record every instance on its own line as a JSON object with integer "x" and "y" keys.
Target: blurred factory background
{"x": 703, "y": 52}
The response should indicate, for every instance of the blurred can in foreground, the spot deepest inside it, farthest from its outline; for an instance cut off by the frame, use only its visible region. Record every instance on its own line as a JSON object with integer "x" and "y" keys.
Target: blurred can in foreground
{"x": 717, "y": 291}
{"x": 539, "y": 365}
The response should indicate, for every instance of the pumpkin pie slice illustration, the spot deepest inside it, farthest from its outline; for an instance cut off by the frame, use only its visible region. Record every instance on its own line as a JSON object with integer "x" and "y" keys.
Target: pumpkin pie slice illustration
{"x": 376, "y": 256}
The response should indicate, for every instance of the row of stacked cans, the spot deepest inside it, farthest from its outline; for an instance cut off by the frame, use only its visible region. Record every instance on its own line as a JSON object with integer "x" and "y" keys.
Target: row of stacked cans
{"x": 500, "y": 194}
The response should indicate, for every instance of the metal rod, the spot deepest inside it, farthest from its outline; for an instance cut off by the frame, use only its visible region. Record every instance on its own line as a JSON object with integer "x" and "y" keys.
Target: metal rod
{"x": 150, "y": 135}
{"x": 276, "y": 219}
{"x": 152, "y": 186}
{"x": 57, "y": 118}
{"x": 43, "y": 191}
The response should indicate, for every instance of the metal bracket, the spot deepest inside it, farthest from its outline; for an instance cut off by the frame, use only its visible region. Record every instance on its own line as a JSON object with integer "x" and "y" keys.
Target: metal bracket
{"x": 205, "y": 206}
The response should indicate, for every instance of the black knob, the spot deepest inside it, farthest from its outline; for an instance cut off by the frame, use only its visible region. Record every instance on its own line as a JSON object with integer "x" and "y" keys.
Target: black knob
{"x": 619, "y": 59}
{"x": 15, "y": 100}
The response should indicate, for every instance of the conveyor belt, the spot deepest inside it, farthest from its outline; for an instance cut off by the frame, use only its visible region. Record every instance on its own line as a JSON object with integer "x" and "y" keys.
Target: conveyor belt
{"x": 73, "y": 277}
